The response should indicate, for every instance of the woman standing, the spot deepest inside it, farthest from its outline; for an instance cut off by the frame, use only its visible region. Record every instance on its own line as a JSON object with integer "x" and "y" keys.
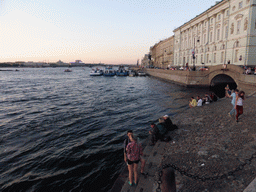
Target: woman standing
{"x": 134, "y": 151}
{"x": 239, "y": 104}
{"x": 227, "y": 90}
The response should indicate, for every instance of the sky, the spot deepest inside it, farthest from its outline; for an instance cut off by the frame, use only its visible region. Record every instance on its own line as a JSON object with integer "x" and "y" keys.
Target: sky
{"x": 94, "y": 31}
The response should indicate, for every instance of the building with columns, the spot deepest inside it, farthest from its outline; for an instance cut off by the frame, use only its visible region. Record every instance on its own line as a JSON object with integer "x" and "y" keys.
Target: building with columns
{"x": 162, "y": 53}
{"x": 225, "y": 33}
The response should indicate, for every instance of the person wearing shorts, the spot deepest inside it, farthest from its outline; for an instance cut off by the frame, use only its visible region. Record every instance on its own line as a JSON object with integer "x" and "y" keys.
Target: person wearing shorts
{"x": 134, "y": 151}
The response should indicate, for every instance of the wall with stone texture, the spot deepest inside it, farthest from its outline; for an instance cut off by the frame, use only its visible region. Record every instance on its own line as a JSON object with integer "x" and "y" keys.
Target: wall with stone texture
{"x": 204, "y": 78}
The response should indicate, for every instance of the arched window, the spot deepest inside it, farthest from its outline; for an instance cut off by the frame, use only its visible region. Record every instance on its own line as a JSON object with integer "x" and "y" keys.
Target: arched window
{"x": 238, "y": 26}
{"x": 237, "y": 44}
{"x": 232, "y": 28}
{"x": 245, "y": 24}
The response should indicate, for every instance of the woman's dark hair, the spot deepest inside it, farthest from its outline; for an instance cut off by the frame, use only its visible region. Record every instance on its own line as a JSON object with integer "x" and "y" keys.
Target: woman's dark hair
{"x": 240, "y": 94}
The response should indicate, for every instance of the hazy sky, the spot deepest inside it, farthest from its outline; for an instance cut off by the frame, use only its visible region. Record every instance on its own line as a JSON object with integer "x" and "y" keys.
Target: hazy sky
{"x": 107, "y": 31}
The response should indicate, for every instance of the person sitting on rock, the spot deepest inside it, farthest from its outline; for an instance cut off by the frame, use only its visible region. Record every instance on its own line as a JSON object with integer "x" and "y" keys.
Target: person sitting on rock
{"x": 207, "y": 99}
{"x": 192, "y": 102}
{"x": 162, "y": 129}
{"x": 154, "y": 132}
{"x": 168, "y": 123}
{"x": 199, "y": 101}
{"x": 213, "y": 97}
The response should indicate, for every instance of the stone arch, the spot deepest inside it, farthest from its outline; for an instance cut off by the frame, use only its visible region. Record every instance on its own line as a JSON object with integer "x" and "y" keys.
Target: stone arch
{"x": 221, "y": 78}
{"x": 219, "y": 82}
{"x": 218, "y": 76}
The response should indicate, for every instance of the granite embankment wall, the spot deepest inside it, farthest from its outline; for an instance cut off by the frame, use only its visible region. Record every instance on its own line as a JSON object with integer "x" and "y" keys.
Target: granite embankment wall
{"x": 215, "y": 74}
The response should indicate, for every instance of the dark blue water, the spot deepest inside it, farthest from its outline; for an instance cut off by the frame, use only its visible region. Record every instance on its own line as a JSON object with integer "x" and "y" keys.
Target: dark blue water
{"x": 64, "y": 131}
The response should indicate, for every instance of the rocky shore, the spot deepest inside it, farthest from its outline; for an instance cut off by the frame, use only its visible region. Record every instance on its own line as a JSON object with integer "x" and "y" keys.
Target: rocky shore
{"x": 208, "y": 144}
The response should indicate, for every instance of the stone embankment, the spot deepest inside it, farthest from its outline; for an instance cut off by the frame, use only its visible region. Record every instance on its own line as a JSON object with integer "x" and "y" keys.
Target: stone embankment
{"x": 208, "y": 143}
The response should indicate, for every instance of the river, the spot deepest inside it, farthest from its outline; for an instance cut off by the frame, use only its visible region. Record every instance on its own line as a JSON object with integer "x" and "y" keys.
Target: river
{"x": 64, "y": 131}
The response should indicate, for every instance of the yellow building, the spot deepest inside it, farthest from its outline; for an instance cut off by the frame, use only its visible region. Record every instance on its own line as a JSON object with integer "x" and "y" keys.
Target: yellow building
{"x": 162, "y": 53}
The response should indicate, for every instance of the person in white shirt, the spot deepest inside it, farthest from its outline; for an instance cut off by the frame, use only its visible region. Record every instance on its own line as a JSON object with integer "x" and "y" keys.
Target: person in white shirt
{"x": 199, "y": 101}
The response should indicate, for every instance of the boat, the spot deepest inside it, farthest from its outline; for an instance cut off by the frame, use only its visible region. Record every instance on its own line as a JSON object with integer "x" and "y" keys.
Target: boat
{"x": 121, "y": 71}
{"x": 109, "y": 72}
{"x": 141, "y": 73}
{"x": 132, "y": 73}
{"x": 68, "y": 70}
{"x": 96, "y": 72}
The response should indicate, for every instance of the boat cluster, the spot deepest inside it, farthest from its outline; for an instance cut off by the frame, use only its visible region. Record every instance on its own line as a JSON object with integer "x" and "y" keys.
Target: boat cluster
{"x": 109, "y": 71}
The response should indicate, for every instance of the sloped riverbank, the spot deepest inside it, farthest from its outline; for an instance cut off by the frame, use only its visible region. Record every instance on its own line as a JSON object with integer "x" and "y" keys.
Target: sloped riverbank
{"x": 209, "y": 145}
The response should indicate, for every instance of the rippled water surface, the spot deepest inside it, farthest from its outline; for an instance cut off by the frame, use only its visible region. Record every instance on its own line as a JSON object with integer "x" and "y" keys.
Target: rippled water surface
{"x": 64, "y": 131}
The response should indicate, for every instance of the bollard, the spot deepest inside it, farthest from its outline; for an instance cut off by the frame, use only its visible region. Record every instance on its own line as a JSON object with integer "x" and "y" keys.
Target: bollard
{"x": 168, "y": 180}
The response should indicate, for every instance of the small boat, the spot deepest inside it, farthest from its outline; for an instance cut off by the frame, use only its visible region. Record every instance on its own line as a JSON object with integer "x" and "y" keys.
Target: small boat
{"x": 96, "y": 72}
{"x": 121, "y": 71}
{"x": 109, "y": 72}
{"x": 68, "y": 70}
{"x": 132, "y": 73}
{"x": 140, "y": 73}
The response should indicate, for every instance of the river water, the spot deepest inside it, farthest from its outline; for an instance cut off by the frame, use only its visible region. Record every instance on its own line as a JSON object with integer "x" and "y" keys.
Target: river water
{"x": 64, "y": 131}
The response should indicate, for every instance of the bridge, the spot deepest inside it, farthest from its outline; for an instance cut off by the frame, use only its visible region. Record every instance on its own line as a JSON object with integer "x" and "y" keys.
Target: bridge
{"x": 216, "y": 75}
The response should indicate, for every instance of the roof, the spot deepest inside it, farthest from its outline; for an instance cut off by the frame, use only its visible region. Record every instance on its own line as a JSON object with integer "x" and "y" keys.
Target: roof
{"x": 217, "y": 3}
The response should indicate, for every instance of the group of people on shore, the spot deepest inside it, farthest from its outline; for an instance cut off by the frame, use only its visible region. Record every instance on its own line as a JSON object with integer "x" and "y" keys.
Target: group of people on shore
{"x": 249, "y": 70}
{"x": 159, "y": 131}
{"x": 237, "y": 103}
{"x": 133, "y": 149}
{"x": 207, "y": 99}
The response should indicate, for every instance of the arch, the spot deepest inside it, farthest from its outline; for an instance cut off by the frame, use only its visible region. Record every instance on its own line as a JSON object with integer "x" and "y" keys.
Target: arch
{"x": 222, "y": 78}
{"x": 219, "y": 82}
{"x": 232, "y": 71}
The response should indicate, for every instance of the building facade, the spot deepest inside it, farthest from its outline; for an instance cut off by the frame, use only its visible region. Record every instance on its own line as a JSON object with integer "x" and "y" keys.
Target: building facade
{"x": 225, "y": 33}
{"x": 162, "y": 53}
{"x": 146, "y": 61}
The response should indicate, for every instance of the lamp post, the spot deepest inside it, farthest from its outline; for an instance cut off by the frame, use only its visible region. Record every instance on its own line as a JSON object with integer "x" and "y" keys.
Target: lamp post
{"x": 193, "y": 53}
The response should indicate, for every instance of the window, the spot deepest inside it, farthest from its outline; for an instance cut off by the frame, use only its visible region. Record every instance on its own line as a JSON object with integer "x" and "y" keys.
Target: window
{"x": 214, "y": 58}
{"x": 219, "y": 16}
{"x": 227, "y": 13}
{"x": 234, "y": 8}
{"x": 196, "y": 59}
{"x": 236, "y": 55}
{"x": 226, "y": 31}
{"x": 211, "y": 20}
{"x": 218, "y": 34}
{"x": 240, "y": 5}
{"x": 201, "y": 58}
{"x": 211, "y": 36}
{"x": 205, "y": 23}
{"x": 222, "y": 57}
{"x": 245, "y": 24}
{"x": 207, "y": 60}
{"x": 237, "y": 44}
{"x": 238, "y": 26}
{"x": 204, "y": 38}
{"x": 232, "y": 28}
